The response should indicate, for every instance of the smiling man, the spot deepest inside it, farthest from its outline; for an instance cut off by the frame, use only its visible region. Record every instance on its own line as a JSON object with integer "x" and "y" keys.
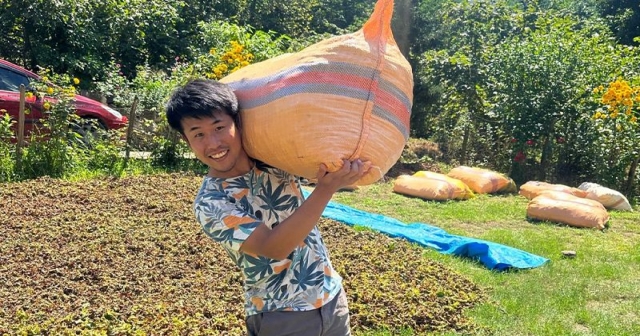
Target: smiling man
{"x": 260, "y": 217}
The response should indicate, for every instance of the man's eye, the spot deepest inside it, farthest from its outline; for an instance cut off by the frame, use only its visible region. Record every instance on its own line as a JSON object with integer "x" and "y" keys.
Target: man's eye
{"x": 198, "y": 135}
{"x": 219, "y": 128}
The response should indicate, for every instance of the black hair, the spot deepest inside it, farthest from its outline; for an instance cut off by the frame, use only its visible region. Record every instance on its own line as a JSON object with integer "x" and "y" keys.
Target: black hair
{"x": 201, "y": 98}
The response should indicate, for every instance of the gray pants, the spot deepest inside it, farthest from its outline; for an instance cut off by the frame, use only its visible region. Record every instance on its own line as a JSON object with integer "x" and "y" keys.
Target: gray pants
{"x": 331, "y": 319}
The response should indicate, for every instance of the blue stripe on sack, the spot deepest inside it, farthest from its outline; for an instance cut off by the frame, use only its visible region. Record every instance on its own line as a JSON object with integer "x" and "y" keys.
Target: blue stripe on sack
{"x": 391, "y": 118}
{"x": 331, "y": 89}
{"x": 336, "y": 67}
{"x": 339, "y": 67}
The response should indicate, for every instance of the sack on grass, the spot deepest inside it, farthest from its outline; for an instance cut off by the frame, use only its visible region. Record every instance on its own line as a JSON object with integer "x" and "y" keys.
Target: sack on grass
{"x": 610, "y": 198}
{"x": 431, "y": 186}
{"x": 345, "y": 97}
{"x": 561, "y": 207}
{"x": 510, "y": 188}
{"x": 532, "y": 189}
{"x": 481, "y": 181}
{"x": 460, "y": 189}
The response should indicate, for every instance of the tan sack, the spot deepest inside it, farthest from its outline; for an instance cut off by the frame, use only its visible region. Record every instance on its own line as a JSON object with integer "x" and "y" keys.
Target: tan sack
{"x": 432, "y": 186}
{"x": 481, "y": 181}
{"x": 345, "y": 97}
{"x": 572, "y": 211}
{"x": 532, "y": 189}
{"x": 510, "y": 188}
{"x": 610, "y": 198}
{"x": 458, "y": 187}
{"x": 563, "y": 196}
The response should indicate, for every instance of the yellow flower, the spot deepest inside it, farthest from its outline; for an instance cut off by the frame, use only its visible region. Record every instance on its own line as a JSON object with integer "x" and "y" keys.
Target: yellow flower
{"x": 45, "y": 78}
{"x": 28, "y": 95}
{"x": 76, "y": 81}
{"x": 50, "y": 90}
{"x": 46, "y": 106}
{"x": 633, "y": 119}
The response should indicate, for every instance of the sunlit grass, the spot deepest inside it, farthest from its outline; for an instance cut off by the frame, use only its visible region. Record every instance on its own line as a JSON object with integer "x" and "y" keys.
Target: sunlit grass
{"x": 595, "y": 293}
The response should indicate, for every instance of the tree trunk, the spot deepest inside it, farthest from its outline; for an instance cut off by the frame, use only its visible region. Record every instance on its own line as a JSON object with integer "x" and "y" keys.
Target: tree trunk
{"x": 465, "y": 144}
{"x": 547, "y": 150}
{"x": 402, "y": 24}
{"x": 632, "y": 173}
{"x": 27, "y": 49}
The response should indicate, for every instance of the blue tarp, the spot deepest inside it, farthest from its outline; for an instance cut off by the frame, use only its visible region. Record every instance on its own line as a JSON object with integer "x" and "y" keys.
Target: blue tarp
{"x": 492, "y": 255}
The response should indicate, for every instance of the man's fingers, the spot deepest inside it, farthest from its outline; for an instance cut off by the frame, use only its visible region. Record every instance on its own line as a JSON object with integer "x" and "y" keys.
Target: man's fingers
{"x": 322, "y": 171}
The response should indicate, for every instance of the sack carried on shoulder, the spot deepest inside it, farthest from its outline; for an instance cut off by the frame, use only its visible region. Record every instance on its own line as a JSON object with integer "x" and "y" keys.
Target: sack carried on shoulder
{"x": 346, "y": 97}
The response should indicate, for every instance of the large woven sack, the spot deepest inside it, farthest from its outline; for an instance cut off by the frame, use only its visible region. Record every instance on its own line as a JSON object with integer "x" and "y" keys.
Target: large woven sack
{"x": 611, "y": 199}
{"x": 345, "y": 97}
{"x": 481, "y": 181}
{"x": 567, "y": 209}
{"x": 532, "y": 189}
{"x": 563, "y": 196}
{"x": 438, "y": 188}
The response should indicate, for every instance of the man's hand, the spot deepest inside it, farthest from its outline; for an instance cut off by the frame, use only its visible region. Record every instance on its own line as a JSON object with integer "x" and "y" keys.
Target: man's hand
{"x": 348, "y": 174}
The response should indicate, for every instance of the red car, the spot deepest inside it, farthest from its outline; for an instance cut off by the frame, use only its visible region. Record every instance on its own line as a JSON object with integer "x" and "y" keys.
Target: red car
{"x": 11, "y": 76}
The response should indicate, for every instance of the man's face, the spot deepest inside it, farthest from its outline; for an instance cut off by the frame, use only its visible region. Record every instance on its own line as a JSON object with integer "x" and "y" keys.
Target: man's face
{"x": 217, "y": 142}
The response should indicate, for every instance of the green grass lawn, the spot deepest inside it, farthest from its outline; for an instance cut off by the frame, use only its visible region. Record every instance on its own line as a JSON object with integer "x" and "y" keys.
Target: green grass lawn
{"x": 595, "y": 293}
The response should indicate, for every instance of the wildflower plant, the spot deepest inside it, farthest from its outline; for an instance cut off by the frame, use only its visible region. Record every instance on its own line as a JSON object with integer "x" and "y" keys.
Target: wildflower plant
{"x": 616, "y": 120}
{"x": 50, "y": 149}
{"x": 7, "y": 151}
{"x": 620, "y": 105}
{"x": 218, "y": 64}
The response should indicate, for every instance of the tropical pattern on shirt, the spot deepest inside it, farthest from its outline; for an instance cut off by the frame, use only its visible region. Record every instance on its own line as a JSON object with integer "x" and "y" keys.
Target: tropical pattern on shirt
{"x": 230, "y": 209}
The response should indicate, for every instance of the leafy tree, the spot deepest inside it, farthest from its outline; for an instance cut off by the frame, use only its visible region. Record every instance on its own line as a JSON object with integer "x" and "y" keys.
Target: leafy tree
{"x": 40, "y": 31}
{"x": 469, "y": 31}
{"x": 340, "y": 16}
{"x": 541, "y": 90}
{"x": 289, "y": 17}
{"x": 624, "y": 19}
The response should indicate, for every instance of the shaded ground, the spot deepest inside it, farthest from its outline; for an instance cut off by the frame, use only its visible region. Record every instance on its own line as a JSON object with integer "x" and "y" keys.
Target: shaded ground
{"x": 125, "y": 256}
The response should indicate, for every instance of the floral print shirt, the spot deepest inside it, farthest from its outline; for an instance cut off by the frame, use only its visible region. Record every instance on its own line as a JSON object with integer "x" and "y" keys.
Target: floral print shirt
{"x": 230, "y": 209}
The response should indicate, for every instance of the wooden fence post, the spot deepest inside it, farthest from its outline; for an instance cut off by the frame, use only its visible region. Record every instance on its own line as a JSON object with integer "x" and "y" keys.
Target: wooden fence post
{"x": 20, "y": 135}
{"x": 132, "y": 118}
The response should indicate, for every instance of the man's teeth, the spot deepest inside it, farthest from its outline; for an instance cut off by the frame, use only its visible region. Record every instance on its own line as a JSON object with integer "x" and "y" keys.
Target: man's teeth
{"x": 217, "y": 156}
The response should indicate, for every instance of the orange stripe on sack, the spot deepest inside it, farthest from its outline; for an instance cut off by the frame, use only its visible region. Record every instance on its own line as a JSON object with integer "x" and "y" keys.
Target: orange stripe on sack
{"x": 392, "y": 105}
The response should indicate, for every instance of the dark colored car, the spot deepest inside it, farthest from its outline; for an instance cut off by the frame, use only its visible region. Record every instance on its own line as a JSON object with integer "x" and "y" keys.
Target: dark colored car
{"x": 11, "y": 76}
